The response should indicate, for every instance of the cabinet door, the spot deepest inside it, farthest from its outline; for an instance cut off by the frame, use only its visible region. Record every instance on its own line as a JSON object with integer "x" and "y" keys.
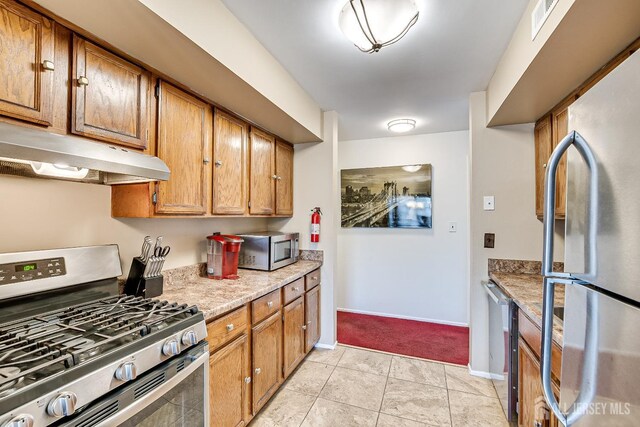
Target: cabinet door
{"x": 110, "y": 96}
{"x": 230, "y": 165}
{"x": 26, "y": 61}
{"x": 262, "y": 176}
{"x": 284, "y": 180}
{"x": 229, "y": 384}
{"x": 560, "y": 128}
{"x": 533, "y": 410}
{"x": 267, "y": 359}
{"x": 184, "y": 135}
{"x": 294, "y": 327}
{"x": 543, "y": 146}
{"x": 312, "y": 318}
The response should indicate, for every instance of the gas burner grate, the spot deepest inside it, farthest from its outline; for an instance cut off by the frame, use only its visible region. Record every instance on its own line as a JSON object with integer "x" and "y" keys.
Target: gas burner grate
{"x": 38, "y": 346}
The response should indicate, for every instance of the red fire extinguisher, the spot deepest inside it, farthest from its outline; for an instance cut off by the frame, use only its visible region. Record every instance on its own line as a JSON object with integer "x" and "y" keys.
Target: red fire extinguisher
{"x": 315, "y": 224}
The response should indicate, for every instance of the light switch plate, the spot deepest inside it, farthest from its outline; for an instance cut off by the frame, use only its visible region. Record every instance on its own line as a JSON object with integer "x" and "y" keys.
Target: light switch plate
{"x": 489, "y": 203}
{"x": 453, "y": 227}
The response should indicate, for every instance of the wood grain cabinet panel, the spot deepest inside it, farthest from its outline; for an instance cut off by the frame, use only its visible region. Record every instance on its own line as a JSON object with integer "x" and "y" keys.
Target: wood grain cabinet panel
{"x": 262, "y": 174}
{"x": 229, "y": 385}
{"x": 312, "y": 318}
{"x": 284, "y": 178}
{"x": 543, "y": 145}
{"x": 533, "y": 410}
{"x": 267, "y": 359}
{"x": 110, "y": 96}
{"x": 183, "y": 142}
{"x": 230, "y": 165}
{"x": 26, "y": 63}
{"x": 294, "y": 338}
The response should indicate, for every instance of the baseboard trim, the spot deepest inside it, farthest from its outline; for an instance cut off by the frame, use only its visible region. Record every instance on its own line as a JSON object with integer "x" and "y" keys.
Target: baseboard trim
{"x": 483, "y": 374}
{"x": 398, "y": 316}
{"x": 327, "y": 346}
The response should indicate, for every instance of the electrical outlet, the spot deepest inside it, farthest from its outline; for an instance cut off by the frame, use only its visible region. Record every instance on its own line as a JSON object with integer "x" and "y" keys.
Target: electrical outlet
{"x": 453, "y": 227}
{"x": 489, "y": 240}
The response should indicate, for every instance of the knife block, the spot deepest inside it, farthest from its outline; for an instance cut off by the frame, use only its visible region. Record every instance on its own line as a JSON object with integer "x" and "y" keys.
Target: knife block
{"x": 139, "y": 286}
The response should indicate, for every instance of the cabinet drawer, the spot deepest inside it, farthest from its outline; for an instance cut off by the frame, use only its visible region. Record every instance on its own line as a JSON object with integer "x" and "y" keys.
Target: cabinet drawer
{"x": 227, "y": 327}
{"x": 266, "y": 305}
{"x": 293, "y": 290}
{"x": 312, "y": 279}
{"x": 532, "y": 334}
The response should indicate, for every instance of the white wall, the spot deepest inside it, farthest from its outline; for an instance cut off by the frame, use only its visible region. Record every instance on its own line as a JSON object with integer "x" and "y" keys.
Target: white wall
{"x": 419, "y": 274}
{"x": 315, "y": 177}
{"x": 42, "y": 214}
{"x": 502, "y": 165}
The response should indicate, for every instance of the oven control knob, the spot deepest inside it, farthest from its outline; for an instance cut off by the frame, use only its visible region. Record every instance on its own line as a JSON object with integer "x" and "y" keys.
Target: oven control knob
{"x": 190, "y": 338}
{"x": 127, "y": 372}
{"x": 64, "y": 404}
{"x": 171, "y": 348}
{"x": 22, "y": 420}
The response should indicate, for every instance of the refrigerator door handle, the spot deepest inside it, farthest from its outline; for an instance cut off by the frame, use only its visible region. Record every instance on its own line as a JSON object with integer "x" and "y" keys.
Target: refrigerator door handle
{"x": 590, "y": 355}
{"x": 575, "y": 139}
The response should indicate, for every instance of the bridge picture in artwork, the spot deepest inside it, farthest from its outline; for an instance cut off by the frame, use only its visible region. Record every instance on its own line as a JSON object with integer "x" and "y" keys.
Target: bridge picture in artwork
{"x": 392, "y": 197}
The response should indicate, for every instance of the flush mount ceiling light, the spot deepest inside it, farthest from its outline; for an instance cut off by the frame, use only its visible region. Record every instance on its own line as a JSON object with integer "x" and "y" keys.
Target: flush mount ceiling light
{"x": 377, "y": 24}
{"x": 401, "y": 125}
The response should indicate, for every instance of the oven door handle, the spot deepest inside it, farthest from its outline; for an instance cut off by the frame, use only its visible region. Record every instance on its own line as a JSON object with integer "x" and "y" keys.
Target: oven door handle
{"x": 131, "y": 410}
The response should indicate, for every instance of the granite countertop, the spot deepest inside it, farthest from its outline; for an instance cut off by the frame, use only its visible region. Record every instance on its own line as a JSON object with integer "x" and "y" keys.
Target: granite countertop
{"x": 215, "y": 297}
{"x": 525, "y": 288}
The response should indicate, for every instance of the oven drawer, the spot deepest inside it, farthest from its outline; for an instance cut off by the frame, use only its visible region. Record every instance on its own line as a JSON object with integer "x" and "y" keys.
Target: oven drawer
{"x": 227, "y": 327}
{"x": 312, "y": 279}
{"x": 265, "y": 306}
{"x": 293, "y": 290}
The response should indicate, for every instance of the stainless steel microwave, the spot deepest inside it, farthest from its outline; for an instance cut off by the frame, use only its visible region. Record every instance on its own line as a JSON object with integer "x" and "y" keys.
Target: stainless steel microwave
{"x": 268, "y": 250}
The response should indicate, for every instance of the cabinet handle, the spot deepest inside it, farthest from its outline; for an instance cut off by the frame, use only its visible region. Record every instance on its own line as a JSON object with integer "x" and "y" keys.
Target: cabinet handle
{"x": 279, "y": 178}
{"x": 230, "y": 327}
{"x": 274, "y": 176}
{"x": 257, "y": 371}
{"x": 247, "y": 380}
{"x": 206, "y": 161}
{"x": 537, "y": 424}
{"x": 544, "y": 166}
{"x": 304, "y": 327}
{"x": 269, "y": 304}
{"x": 296, "y": 289}
{"x": 83, "y": 81}
{"x": 314, "y": 277}
{"x": 309, "y": 322}
{"x": 48, "y": 65}
{"x": 218, "y": 163}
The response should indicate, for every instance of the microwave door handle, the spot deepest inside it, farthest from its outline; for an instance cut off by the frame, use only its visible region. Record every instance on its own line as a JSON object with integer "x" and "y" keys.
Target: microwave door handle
{"x": 590, "y": 356}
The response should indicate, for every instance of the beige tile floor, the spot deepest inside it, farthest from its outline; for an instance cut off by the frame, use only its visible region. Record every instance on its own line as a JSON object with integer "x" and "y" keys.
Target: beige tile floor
{"x": 353, "y": 387}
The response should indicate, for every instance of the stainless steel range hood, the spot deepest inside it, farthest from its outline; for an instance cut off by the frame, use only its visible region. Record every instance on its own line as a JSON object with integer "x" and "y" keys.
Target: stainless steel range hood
{"x": 35, "y": 153}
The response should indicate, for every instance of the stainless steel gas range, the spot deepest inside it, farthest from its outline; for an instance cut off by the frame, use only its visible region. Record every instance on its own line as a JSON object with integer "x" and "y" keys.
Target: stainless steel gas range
{"x": 73, "y": 352}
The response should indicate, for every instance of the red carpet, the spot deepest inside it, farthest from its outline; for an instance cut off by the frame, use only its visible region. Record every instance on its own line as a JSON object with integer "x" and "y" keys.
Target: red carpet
{"x": 407, "y": 337}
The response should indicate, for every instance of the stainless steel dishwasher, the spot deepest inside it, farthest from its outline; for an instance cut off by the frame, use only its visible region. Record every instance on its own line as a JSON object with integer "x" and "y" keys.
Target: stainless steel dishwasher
{"x": 503, "y": 349}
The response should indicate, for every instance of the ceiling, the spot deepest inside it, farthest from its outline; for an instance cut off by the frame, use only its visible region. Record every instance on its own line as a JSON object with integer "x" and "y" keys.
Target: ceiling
{"x": 451, "y": 51}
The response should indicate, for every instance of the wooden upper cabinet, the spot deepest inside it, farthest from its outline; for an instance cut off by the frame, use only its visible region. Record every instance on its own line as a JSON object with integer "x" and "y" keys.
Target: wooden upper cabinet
{"x": 543, "y": 146}
{"x": 294, "y": 342}
{"x": 183, "y": 142}
{"x": 262, "y": 174}
{"x": 284, "y": 178}
{"x": 560, "y": 128}
{"x": 230, "y": 165}
{"x": 26, "y": 63}
{"x": 110, "y": 96}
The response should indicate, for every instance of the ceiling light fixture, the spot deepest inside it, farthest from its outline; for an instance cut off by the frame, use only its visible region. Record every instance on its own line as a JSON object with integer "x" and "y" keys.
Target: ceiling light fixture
{"x": 381, "y": 23}
{"x": 401, "y": 125}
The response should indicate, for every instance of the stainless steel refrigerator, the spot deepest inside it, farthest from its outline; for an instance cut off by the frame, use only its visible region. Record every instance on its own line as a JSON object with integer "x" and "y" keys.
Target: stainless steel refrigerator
{"x": 600, "y": 381}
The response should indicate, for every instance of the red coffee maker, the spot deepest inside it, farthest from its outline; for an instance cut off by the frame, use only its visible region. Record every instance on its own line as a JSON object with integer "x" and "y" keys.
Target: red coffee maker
{"x": 222, "y": 256}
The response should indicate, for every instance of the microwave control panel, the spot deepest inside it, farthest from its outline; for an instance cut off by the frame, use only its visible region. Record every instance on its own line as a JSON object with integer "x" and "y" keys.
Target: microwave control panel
{"x": 31, "y": 270}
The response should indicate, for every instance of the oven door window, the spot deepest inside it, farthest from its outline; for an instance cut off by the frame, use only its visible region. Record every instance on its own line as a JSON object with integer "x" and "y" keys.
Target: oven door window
{"x": 182, "y": 405}
{"x": 282, "y": 251}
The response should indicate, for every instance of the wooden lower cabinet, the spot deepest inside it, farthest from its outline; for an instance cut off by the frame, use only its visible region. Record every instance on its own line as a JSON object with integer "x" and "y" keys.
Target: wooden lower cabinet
{"x": 294, "y": 335}
{"x": 267, "y": 359}
{"x": 312, "y": 318}
{"x": 230, "y": 384}
{"x": 533, "y": 409}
